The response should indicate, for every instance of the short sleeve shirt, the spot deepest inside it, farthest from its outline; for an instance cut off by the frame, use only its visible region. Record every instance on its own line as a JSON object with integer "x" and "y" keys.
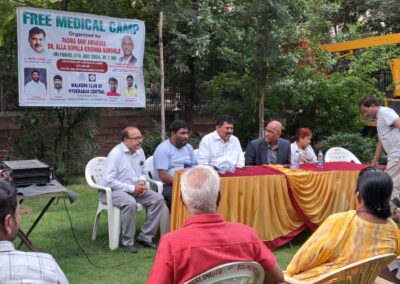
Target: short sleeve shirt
{"x": 389, "y": 135}
{"x": 168, "y": 157}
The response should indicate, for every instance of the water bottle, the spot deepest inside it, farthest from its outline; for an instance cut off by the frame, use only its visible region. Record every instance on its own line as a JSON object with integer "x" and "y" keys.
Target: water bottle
{"x": 296, "y": 161}
{"x": 320, "y": 159}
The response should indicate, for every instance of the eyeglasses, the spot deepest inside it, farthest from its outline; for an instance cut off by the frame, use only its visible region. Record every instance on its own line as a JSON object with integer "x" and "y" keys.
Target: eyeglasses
{"x": 135, "y": 138}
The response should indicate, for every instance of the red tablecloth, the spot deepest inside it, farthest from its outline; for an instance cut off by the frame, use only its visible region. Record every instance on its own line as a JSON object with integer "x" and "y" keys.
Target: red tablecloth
{"x": 253, "y": 171}
{"x": 333, "y": 166}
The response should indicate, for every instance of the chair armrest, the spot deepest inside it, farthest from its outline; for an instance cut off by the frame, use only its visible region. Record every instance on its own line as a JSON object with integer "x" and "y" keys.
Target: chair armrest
{"x": 159, "y": 184}
{"x": 105, "y": 188}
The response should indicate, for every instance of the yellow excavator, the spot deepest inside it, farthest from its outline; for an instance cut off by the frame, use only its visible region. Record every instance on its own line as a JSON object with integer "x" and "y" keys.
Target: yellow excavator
{"x": 347, "y": 48}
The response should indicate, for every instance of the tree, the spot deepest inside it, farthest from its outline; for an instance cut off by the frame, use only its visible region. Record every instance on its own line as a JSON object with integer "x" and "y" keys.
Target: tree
{"x": 383, "y": 16}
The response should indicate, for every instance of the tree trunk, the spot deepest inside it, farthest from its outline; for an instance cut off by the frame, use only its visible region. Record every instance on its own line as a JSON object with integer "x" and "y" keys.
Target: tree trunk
{"x": 261, "y": 112}
{"x": 64, "y": 5}
{"x": 160, "y": 39}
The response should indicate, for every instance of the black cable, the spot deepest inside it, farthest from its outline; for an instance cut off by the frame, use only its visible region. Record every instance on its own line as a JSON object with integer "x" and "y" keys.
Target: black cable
{"x": 81, "y": 248}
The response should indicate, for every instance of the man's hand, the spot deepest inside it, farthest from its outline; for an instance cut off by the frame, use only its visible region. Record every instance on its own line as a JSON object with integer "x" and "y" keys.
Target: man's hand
{"x": 374, "y": 163}
{"x": 140, "y": 188}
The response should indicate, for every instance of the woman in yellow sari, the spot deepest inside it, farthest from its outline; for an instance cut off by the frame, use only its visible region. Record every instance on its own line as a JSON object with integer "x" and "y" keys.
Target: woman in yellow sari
{"x": 353, "y": 235}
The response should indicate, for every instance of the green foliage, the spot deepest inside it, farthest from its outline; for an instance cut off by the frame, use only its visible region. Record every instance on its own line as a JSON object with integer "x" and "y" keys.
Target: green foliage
{"x": 151, "y": 139}
{"x": 61, "y": 138}
{"x": 362, "y": 147}
{"x": 384, "y": 15}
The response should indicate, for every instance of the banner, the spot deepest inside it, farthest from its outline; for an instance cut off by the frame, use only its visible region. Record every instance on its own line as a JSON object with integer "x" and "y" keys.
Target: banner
{"x": 79, "y": 60}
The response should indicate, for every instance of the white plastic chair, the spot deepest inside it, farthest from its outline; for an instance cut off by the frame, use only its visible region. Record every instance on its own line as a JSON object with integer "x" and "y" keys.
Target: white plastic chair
{"x": 93, "y": 174}
{"x": 232, "y": 273}
{"x": 361, "y": 272}
{"x": 164, "y": 222}
{"x": 338, "y": 154}
{"x": 150, "y": 174}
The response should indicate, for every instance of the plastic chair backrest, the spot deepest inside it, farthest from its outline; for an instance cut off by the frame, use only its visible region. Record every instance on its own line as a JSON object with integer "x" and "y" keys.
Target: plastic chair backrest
{"x": 338, "y": 154}
{"x": 364, "y": 271}
{"x": 94, "y": 170}
{"x": 150, "y": 167}
{"x": 232, "y": 273}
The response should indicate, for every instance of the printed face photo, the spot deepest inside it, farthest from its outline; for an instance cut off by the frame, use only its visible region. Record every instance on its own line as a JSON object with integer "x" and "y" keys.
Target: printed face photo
{"x": 35, "y": 76}
{"x": 57, "y": 83}
{"x": 36, "y": 41}
{"x": 113, "y": 86}
{"x": 127, "y": 45}
{"x": 129, "y": 82}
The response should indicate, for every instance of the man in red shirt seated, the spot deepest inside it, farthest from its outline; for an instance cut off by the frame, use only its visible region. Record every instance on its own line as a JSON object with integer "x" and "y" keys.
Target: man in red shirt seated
{"x": 205, "y": 240}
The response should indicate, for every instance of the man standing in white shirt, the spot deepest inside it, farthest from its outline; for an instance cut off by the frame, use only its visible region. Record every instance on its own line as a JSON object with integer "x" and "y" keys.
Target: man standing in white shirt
{"x": 35, "y": 87}
{"x": 221, "y": 146}
{"x": 388, "y": 127}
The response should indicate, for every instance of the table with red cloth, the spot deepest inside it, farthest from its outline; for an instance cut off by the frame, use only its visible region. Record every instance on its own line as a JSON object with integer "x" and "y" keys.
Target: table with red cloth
{"x": 279, "y": 202}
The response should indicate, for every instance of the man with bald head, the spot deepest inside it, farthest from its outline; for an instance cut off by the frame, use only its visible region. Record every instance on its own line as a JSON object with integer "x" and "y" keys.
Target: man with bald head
{"x": 269, "y": 150}
{"x": 127, "y": 48}
{"x": 125, "y": 173}
{"x": 206, "y": 240}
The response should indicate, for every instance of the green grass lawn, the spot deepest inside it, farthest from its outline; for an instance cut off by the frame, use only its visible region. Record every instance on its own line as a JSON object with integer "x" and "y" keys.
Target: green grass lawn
{"x": 54, "y": 235}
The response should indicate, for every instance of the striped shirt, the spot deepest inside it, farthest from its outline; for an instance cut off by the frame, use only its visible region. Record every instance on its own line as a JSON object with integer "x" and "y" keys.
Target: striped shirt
{"x": 28, "y": 267}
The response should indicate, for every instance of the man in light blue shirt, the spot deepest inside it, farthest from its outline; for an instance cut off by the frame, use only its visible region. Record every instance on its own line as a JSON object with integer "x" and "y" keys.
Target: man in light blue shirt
{"x": 173, "y": 154}
{"x": 18, "y": 266}
{"x": 125, "y": 173}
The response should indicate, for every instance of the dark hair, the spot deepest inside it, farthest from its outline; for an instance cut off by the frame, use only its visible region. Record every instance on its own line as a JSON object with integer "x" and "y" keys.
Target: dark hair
{"x": 129, "y": 76}
{"x": 177, "y": 124}
{"x": 36, "y": 30}
{"x": 57, "y": 77}
{"x": 35, "y": 70}
{"x": 302, "y": 132}
{"x": 224, "y": 118}
{"x": 375, "y": 188}
{"x": 124, "y": 133}
{"x": 8, "y": 200}
{"x": 369, "y": 101}
{"x": 112, "y": 79}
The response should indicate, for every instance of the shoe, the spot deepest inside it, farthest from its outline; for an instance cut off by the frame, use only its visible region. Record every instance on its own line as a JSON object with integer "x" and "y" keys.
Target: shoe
{"x": 131, "y": 249}
{"x": 147, "y": 244}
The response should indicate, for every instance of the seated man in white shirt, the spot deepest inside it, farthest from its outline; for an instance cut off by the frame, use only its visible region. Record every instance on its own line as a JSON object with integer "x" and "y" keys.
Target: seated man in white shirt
{"x": 125, "y": 173}
{"x": 220, "y": 147}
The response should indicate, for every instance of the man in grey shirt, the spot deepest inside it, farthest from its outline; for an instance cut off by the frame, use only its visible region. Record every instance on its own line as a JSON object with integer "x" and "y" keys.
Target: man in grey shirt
{"x": 387, "y": 124}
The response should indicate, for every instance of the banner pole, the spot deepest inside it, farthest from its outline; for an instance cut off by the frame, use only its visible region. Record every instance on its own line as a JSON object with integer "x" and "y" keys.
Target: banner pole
{"x": 162, "y": 77}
